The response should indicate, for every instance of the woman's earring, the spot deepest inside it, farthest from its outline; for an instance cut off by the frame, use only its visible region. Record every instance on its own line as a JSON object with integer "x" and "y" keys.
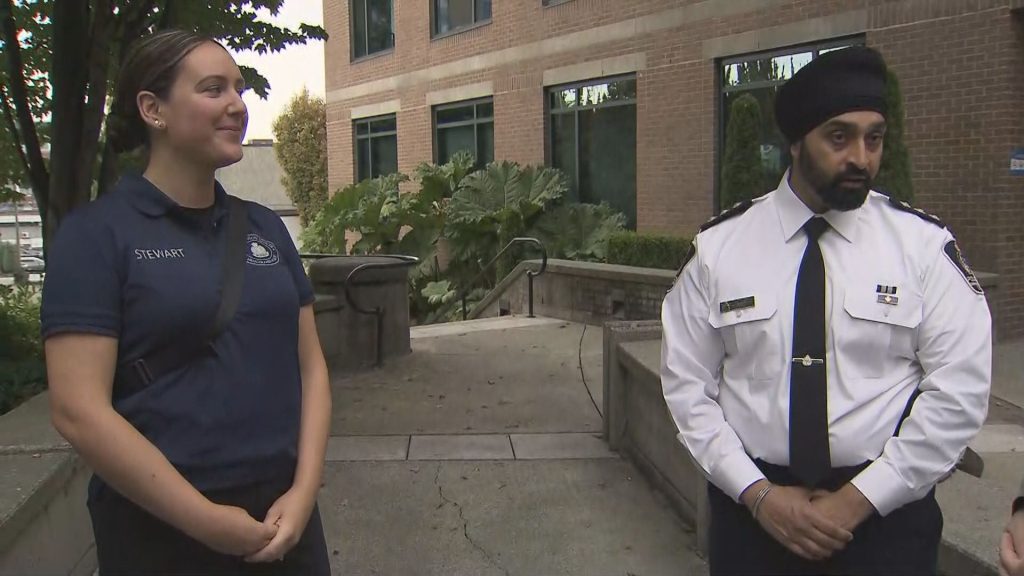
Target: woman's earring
{"x": 159, "y": 124}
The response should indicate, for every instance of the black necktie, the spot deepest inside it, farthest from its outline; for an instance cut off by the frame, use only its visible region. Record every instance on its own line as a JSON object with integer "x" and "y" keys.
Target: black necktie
{"x": 809, "y": 458}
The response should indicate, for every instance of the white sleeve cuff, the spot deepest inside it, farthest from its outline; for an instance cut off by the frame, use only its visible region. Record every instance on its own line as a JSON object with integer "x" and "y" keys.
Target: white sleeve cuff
{"x": 735, "y": 473}
{"x": 883, "y": 487}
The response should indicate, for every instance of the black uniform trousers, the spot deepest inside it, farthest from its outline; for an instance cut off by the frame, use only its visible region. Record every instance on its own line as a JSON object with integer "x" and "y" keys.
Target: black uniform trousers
{"x": 130, "y": 541}
{"x": 904, "y": 543}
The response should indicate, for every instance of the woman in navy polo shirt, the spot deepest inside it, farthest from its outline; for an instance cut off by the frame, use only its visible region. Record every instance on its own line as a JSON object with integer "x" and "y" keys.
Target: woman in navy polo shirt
{"x": 214, "y": 466}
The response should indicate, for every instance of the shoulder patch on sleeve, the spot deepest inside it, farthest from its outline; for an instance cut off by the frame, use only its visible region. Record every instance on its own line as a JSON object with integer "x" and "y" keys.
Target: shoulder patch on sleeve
{"x": 690, "y": 253}
{"x": 957, "y": 259}
{"x": 904, "y": 207}
{"x": 736, "y": 210}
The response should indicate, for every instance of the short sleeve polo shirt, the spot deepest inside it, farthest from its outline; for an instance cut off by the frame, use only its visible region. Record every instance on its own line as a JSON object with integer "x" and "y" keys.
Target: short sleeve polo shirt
{"x": 136, "y": 266}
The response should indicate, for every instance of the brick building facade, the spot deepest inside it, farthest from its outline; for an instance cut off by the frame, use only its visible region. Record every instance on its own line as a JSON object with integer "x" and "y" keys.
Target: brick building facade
{"x": 960, "y": 62}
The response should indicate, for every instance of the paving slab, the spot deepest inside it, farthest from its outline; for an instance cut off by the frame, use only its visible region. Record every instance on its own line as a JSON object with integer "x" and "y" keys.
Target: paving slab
{"x": 515, "y": 518}
{"x": 996, "y": 438}
{"x": 479, "y": 325}
{"x": 500, "y": 381}
{"x": 975, "y": 512}
{"x": 465, "y": 447}
{"x": 373, "y": 448}
{"x": 1008, "y": 371}
{"x": 560, "y": 446}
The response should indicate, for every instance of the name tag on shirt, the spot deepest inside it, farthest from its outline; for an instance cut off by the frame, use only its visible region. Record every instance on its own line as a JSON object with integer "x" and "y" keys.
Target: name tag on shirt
{"x": 738, "y": 304}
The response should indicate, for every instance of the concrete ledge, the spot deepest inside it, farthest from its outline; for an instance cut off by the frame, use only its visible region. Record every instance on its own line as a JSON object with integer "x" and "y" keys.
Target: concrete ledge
{"x": 561, "y": 446}
{"x": 812, "y": 30}
{"x": 376, "y": 109}
{"x": 479, "y": 447}
{"x": 459, "y": 93}
{"x": 614, "y": 66}
{"x": 587, "y": 292}
{"x": 44, "y": 523}
{"x": 639, "y": 425}
{"x": 367, "y": 448}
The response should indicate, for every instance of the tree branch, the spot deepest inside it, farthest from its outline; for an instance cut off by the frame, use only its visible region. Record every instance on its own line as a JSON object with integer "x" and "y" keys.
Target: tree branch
{"x": 12, "y": 127}
{"x": 38, "y": 176}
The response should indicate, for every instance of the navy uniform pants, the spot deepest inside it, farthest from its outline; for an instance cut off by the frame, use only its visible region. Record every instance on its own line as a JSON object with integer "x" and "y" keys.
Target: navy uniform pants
{"x": 129, "y": 540}
{"x": 904, "y": 543}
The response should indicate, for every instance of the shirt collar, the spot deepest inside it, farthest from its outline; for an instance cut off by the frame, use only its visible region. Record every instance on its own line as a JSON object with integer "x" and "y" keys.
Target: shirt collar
{"x": 151, "y": 201}
{"x": 793, "y": 214}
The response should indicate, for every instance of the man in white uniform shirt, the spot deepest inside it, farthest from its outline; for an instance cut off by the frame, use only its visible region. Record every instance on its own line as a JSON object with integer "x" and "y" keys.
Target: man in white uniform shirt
{"x": 827, "y": 351}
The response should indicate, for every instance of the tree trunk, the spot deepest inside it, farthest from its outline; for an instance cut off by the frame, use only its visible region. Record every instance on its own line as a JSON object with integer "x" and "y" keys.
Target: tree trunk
{"x": 69, "y": 78}
{"x": 92, "y": 115}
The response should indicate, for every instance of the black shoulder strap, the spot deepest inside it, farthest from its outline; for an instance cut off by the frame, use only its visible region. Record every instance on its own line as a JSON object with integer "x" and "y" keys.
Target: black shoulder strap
{"x": 736, "y": 210}
{"x": 137, "y": 374}
{"x": 232, "y": 266}
{"x": 904, "y": 207}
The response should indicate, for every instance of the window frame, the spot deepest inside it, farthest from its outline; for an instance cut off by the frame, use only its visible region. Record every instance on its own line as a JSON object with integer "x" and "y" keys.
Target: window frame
{"x": 369, "y": 136}
{"x": 721, "y": 90}
{"x": 475, "y": 122}
{"x": 435, "y": 35}
{"x": 549, "y": 144}
{"x": 353, "y": 57}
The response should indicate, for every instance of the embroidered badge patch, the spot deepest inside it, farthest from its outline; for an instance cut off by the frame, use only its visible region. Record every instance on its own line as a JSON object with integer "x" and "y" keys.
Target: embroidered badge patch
{"x": 261, "y": 252}
{"x": 957, "y": 258}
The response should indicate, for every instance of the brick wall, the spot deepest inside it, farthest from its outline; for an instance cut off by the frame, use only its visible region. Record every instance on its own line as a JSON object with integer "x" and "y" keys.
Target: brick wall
{"x": 960, "y": 62}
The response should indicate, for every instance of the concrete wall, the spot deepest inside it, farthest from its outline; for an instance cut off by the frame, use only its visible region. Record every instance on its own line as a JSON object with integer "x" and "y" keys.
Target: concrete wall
{"x": 638, "y": 424}
{"x": 587, "y": 292}
{"x": 44, "y": 522}
{"x": 961, "y": 95}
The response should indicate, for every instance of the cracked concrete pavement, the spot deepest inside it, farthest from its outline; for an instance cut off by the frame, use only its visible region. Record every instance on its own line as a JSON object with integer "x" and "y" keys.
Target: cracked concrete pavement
{"x": 451, "y": 508}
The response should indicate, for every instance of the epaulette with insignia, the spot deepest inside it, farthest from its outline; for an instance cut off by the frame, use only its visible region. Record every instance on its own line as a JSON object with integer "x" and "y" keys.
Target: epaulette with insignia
{"x": 736, "y": 210}
{"x": 904, "y": 207}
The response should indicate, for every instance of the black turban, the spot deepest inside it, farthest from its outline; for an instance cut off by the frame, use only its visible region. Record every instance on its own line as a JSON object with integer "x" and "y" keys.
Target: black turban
{"x": 837, "y": 82}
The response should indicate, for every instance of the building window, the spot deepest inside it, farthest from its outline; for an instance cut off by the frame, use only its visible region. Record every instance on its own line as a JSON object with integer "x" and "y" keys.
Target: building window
{"x": 454, "y": 15}
{"x": 372, "y": 27}
{"x": 466, "y": 126}
{"x": 761, "y": 75}
{"x": 593, "y": 140}
{"x": 376, "y": 147}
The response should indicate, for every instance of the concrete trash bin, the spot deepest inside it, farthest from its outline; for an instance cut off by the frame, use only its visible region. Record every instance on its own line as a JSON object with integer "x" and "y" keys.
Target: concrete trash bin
{"x": 351, "y": 339}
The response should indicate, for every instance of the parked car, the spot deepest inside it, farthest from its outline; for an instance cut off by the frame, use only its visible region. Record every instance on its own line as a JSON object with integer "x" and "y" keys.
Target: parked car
{"x": 32, "y": 264}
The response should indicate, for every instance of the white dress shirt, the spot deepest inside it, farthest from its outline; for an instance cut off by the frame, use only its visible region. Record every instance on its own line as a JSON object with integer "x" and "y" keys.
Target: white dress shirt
{"x": 725, "y": 369}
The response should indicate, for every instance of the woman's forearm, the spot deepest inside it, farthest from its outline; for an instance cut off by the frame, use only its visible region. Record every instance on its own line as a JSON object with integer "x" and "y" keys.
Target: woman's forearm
{"x": 133, "y": 466}
{"x": 314, "y": 428}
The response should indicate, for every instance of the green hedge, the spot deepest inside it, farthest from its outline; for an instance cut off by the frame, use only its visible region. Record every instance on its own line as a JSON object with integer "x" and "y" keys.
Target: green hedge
{"x": 647, "y": 250}
{"x": 22, "y": 371}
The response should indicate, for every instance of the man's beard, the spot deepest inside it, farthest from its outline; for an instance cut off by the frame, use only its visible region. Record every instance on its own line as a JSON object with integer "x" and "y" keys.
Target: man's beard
{"x": 831, "y": 190}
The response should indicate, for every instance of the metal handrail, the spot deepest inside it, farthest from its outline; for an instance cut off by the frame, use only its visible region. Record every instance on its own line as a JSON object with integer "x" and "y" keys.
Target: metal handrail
{"x": 378, "y": 312}
{"x": 530, "y": 274}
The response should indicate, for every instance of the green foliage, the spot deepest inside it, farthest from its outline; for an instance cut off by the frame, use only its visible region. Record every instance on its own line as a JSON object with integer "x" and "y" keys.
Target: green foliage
{"x": 441, "y": 181}
{"x": 742, "y": 172}
{"x": 474, "y": 213}
{"x": 301, "y": 148}
{"x": 578, "y": 231}
{"x": 647, "y": 250}
{"x": 374, "y": 208}
{"x": 22, "y": 371}
{"x": 493, "y": 206}
{"x": 894, "y": 174}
